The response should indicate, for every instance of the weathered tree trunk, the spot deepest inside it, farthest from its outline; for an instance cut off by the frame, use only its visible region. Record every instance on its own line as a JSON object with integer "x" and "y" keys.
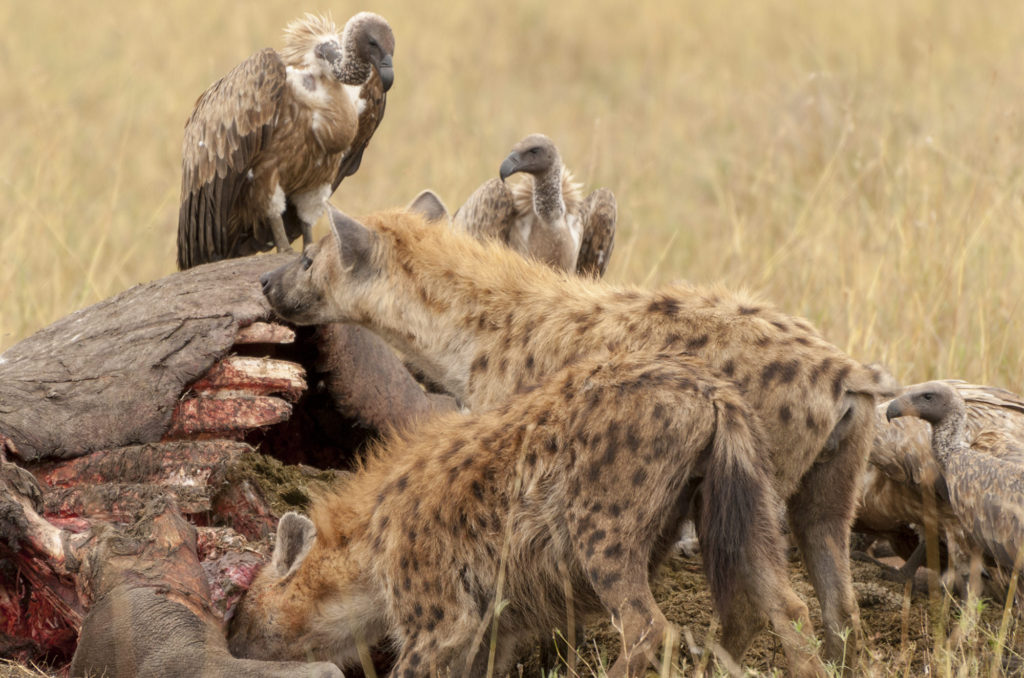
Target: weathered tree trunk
{"x": 111, "y": 374}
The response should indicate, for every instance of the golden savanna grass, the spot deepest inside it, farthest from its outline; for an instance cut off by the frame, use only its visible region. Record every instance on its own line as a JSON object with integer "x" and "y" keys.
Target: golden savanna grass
{"x": 855, "y": 163}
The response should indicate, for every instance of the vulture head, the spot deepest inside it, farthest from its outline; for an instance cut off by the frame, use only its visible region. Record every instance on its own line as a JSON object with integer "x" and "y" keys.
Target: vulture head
{"x": 368, "y": 42}
{"x": 933, "y": 401}
{"x": 536, "y": 155}
{"x": 313, "y": 42}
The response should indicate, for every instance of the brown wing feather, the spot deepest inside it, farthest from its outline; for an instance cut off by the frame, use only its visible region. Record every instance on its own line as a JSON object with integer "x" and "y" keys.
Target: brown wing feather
{"x": 986, "y": 495}
{"x": 489, "y": 213}
{"x": 597, "y": 216}
{"x": 232, "y": 121}
{"x": 376, "y": 100}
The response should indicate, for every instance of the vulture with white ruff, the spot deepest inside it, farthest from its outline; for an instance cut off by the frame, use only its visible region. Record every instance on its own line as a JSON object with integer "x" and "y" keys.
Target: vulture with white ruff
{"x": 267, "y": 144}
{"x": 544, "y": 216}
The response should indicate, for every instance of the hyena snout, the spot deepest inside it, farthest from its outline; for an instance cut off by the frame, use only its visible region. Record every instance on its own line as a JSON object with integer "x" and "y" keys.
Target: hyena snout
{"x": 292, "y": 295}
{"x": 279, "y": 290}
{"x": 265, "y": 281}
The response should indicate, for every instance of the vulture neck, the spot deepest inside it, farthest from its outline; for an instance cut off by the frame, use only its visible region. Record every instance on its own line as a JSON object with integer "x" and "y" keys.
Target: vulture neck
{"x": 949, "y": 435}
{"x": 354, "y": 71}
{"x": 548, "y": 202}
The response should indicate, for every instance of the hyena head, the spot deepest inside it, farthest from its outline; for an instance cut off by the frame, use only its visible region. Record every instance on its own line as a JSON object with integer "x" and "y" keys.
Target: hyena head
{"x": 310, "y": 602}
{"x": 327, "y": 281}
{"x": 392, "y": 275}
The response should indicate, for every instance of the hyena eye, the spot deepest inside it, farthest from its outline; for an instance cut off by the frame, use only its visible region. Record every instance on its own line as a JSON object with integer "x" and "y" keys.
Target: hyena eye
{"x": 306, "y": 262}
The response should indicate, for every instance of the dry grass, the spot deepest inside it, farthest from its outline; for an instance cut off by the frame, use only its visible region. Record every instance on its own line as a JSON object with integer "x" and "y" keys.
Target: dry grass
{"x": 856, "y": 163}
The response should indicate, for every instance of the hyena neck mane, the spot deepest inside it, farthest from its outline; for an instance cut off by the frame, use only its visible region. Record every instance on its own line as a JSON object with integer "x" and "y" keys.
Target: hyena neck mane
{"x": 463, "y": 311}
{"x": 445, "y": 292}
{"x": 482, "y": 321}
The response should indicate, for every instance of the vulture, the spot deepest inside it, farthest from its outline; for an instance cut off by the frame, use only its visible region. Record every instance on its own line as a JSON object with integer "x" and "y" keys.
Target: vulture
{"x": 267, "y": 144}
{"x": 977, "y": 442}
{"x": 544, "y": 216}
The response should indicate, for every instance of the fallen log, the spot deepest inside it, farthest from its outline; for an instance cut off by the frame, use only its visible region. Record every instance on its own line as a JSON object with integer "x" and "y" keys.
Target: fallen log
{"x": 110, "y": 375}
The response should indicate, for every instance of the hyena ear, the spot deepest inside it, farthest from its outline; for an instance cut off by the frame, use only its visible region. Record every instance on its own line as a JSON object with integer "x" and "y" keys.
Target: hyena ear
{"x": 428, "y": 204}
{"x": 355, "y": 241}
{"x": 295, "y": 536}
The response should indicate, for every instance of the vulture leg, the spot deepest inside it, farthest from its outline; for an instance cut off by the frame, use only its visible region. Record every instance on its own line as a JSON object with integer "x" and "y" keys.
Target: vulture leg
{"x": 275, "y": 211}
{"x": 280, "y": 237}
{"x": 309, "y": 206}
{"x": 915, "y": 561}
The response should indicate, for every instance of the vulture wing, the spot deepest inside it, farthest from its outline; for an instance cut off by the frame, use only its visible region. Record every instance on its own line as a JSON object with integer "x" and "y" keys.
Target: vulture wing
{"x": 990, "y": 408}
{"x": 995, "y": 420}
{"x": 232, "y": 121}
{"x": 489, "y": 213}
{"x": 597, "y": 216}
{"x": 986, "y": 495}
{"x": 374, "y": 100}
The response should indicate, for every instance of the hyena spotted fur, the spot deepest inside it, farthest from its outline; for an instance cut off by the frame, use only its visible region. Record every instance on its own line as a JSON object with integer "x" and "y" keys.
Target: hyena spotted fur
{"x": 484, "y": 322}
{"x": 561, "y": 502}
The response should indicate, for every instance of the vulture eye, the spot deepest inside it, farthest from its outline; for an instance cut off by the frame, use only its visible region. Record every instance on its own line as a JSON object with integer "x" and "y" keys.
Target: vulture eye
{"x": 373, "y": 43}
{"x": 306, "y": 262}
{"x": 927, "y": 396}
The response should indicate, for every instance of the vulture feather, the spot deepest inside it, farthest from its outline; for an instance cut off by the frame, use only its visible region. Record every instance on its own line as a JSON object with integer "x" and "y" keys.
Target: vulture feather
{"x": 273, "y": 135}
{"x": 543, "y": 216}
{"x": 973, "y": 456}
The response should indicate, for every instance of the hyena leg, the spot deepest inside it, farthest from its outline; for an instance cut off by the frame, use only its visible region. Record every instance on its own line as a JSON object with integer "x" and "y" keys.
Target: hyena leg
{"x": 619, "y": 577}
{"x": 767, "y": 589}
{"x": 645, "y": 630}
{"x": 428, "y": 656}
{"x": 457, "y": 645}
{"x": 821, "y": 513}
{"x": 740, "y": 623}
{"x": 556, "y": 650}
{"x": 764, "y": 590}
{"x": 421, "y": 657}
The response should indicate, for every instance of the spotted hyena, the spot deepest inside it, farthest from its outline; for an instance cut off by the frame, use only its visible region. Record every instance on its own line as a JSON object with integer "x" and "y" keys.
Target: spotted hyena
{"x": 560, "y": 503}
{"x": 484, "y": 323}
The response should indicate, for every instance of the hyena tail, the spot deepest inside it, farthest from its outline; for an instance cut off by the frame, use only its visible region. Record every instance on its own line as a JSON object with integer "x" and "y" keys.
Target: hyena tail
{"x": 740, "y": 533}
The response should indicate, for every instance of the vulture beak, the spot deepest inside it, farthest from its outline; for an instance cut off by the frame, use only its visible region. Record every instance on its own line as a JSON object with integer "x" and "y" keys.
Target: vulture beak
{"x": 386, "y": 72}
{"x": 509, "y": 167}
{"x": 893, "y": 411}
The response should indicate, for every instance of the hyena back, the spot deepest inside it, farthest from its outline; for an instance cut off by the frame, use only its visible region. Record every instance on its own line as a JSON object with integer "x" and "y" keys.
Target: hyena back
{"x": 561, "y": 502}
{"x": 483, "y": 322}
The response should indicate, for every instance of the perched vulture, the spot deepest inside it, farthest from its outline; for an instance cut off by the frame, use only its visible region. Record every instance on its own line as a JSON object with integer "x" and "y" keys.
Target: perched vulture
{"x": 544, "y": 216}
{"x": 976, "y": 439}
{"x": 277, "y": 133}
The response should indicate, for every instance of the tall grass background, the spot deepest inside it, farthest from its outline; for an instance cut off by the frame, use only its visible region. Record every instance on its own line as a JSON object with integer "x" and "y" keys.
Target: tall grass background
{"x": 855, "y": 163}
